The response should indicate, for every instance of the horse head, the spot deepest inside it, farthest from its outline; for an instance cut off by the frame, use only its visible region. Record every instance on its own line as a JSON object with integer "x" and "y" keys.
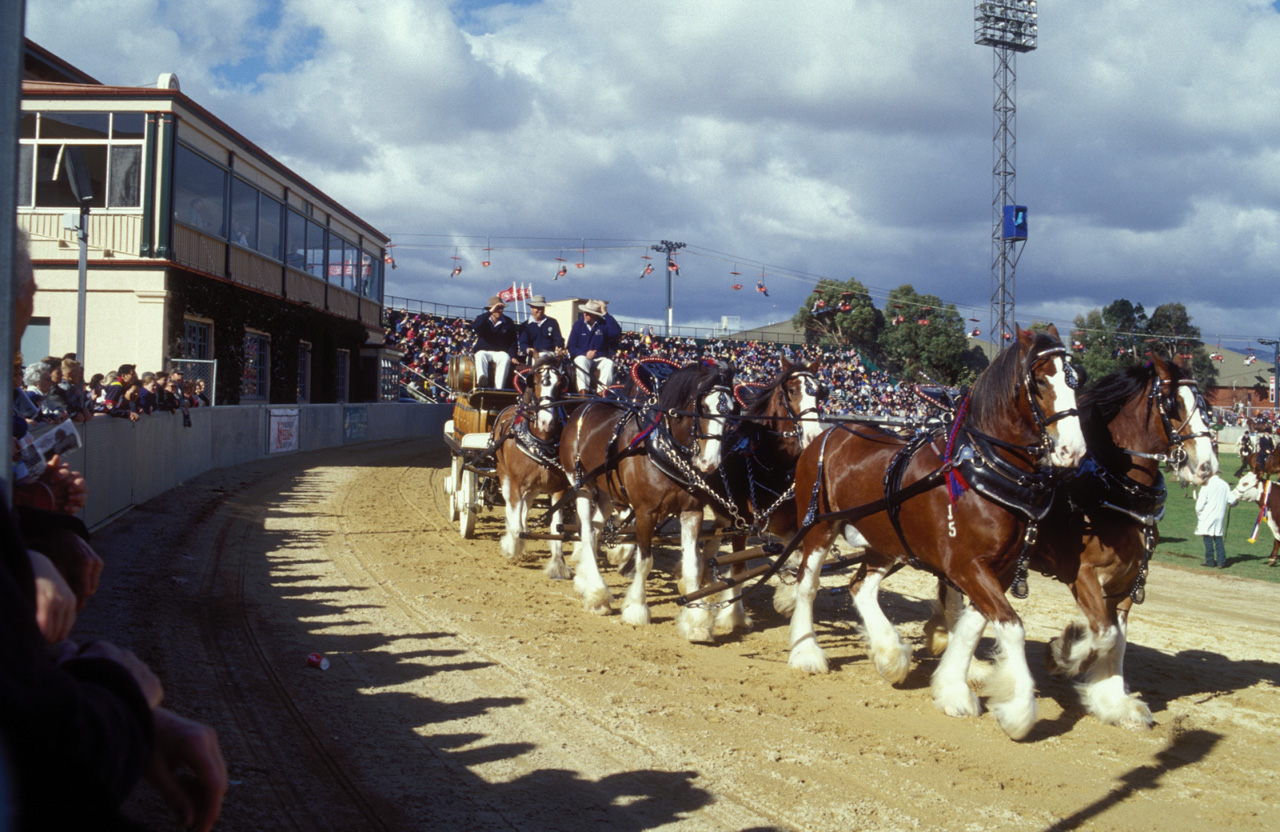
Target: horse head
{"x": 549, "y": 385}
{"x": 697, "y": 398}
{"x": 802, "y": 393}
{"x": 1030, "y": 390}
{"x": 1178, "y": 399}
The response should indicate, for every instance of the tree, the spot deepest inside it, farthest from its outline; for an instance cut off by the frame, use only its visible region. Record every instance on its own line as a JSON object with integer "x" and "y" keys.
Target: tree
{"x": 1099, "y": 356}
{"x": 1175, "y": 338}
{"x": 925, "y": 336}
{"x": 824, "y": 314}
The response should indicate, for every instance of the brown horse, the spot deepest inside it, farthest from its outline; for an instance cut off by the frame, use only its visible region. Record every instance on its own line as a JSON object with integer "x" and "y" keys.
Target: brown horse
{"x": 1251, "y": 489}
{"x": 655, "y": 460}
{"x": 756, "y": 488}
{"x": 1101, "y": 530}
{"x": 528, "y": 457}
{"x": 956, "y": 502}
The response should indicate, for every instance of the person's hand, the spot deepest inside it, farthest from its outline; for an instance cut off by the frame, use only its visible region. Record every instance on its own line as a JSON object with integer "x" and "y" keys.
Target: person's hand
{"x": 79, "y": 564}
{"x": 591, "y": 353}
{"x": 68, "y": 487}
{"x": 196, "y": 796}
{"x": 55, "y": 602}
{"x": 147, "y": 681}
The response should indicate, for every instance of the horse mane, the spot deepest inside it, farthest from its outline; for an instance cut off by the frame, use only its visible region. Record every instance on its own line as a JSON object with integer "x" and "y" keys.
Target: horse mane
{"x": 690, "y": 382}
{"x": 1104, "y": 400}
{"x": 994, "y": 399}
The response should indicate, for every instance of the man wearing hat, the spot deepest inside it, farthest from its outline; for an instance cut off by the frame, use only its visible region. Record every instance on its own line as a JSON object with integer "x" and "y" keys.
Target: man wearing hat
{"x": 591, "y": 344}
{"x": 496, "y": 339}
{"x": 539, "y": 334}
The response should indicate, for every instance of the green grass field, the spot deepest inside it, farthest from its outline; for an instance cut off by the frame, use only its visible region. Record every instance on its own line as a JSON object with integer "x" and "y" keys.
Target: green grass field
{"x": 1179, "y": 547}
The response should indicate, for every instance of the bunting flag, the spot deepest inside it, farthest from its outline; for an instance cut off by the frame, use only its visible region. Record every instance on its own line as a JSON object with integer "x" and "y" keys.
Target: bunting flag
{"x": 672, "y": 267}
{"x": 760, "y": 287}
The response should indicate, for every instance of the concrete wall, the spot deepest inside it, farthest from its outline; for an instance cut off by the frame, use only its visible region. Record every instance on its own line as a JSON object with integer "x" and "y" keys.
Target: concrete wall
{"x": 127, "y": 463}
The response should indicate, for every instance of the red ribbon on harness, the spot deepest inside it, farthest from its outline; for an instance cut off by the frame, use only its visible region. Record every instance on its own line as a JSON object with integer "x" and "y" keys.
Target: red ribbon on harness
{"x": 956, "y": 484}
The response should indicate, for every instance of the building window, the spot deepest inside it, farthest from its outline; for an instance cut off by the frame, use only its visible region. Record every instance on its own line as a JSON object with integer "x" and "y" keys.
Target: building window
{"x": 112, "y": 149}
{"x": 304, "y": 372}
{"x": 257, "y": 355}
{"x": 315, "y": 249}
{"x": 344, "y": 366}
{"x": 199, "y": 198}
{"x": 270, "y": 226}
{"x": 244, "y": 214}
{"x": 195, "y": 340}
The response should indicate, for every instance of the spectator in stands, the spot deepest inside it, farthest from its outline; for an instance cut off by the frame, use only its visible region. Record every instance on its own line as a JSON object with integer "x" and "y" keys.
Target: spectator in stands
{"x": 115, "y": 401}
{"x": 591, "y": 346}
{"x": 147, "y": 395}
{"x": 496, "y": 342}
{"x": 199, "y": 398}
{"x": 540, "y": 334}
{"x": 72, "y": 386}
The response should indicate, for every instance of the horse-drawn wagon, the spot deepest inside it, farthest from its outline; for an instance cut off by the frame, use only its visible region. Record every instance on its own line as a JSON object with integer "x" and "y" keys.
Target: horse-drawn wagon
{"x": 471, "y": 484}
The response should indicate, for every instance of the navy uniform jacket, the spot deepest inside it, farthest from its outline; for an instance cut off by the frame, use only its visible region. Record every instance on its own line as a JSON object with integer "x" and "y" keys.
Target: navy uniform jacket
{"x": 542, "y": 335}
{"x": 602, "y": 337}
{"x": 491, "y": 337}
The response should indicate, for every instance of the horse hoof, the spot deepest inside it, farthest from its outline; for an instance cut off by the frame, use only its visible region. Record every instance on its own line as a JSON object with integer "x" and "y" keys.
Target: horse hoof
{"x": 559, "y": 572}
{"x": 700, "y": 635}
{"x": 808, "y": 658}
{"x": 1015, "y": 718}
{"x": 960, "y": 703}
{"x": 599, "y": 608}
{"x": 894, "y": 664}
{"x": 936, "y": 634}
{"x": 636, "y": 614}
{"x": 736, "y": 621}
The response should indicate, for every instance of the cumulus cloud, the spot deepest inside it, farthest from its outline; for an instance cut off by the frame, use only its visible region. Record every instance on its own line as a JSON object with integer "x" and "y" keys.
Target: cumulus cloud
{"x": 828, "y": 138}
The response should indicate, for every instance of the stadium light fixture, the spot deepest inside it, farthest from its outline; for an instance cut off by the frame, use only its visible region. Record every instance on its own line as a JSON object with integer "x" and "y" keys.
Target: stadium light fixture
{"x": 1013, "y": 24}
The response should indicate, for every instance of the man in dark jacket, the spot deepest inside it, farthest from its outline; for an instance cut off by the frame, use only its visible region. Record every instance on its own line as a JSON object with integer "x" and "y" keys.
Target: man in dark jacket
{"x": 496, "y": 341}
{"x": 539, "y": 334}
{"x": 591, "y": 345}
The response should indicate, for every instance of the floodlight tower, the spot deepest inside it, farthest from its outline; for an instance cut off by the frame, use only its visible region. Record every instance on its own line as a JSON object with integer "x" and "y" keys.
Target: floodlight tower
{"x": 1010, "y": 27}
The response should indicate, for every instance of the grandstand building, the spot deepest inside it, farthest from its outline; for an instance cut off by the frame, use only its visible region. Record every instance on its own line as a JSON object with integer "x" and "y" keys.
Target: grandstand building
{"x": 203, "y": 251}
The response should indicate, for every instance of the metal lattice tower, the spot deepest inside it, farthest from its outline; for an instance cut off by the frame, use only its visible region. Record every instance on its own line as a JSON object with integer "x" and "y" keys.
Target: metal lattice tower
{"x": 1010, "y": 27}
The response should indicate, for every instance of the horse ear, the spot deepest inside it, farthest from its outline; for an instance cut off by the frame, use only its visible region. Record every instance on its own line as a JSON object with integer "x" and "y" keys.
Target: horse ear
{"x": 786, "y": 364}
{"x": 1162, "y": 367}
{"x": 1052, "y": 329}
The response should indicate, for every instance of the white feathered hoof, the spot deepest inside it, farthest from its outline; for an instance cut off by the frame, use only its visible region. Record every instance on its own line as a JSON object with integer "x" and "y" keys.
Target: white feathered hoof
{"x": 598, "y": 601}
{"x": 893, "y": 661}
{"x": 696, "y": 626}
{"x": 512, "y": 546}
{"x": 1108, "y": 702}
{"x": 620, "y": 553}
{"x": 784, "y": 599}
{"x": 956, "y": 700}
{"x": 936, "y": 635}
{"x": 557, "y": 570}
{"x": 731, "y": 618}
{"x": 1015, "y": 716}
{"x": 808, "y": 657}
{"x": 636, "y": 614}
{"x": 1070, "y": 654}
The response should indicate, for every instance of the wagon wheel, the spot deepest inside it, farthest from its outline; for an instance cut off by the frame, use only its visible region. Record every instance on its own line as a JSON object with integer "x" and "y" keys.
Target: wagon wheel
{"x": 465, "y": 502}
{"x": 451, "y": 482}
{"x": 451, "y": 487}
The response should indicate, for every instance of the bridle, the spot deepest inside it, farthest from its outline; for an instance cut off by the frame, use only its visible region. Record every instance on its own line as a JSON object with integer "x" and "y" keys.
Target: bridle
{"x": 1160, "y": 399}
{"x": 1042, "y": 420}
{"x": 812, "y": 386}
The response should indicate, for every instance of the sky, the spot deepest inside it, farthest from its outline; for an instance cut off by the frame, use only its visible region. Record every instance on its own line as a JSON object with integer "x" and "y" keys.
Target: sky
{"x": 784, "y": 141}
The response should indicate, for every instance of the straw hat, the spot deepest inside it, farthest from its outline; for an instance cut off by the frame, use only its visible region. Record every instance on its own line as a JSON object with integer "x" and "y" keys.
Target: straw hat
{"x": 537, "y": 300}
{"x": 593, "y": 307}
{"x": 495, "y": 301}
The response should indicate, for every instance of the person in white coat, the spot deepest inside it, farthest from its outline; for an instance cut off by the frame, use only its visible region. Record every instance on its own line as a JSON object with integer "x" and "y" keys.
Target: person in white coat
{"x": 1211, "y": 511}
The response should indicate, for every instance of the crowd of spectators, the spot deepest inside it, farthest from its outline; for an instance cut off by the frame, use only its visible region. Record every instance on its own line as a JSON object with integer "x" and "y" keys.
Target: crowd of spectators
{"x": 427, "y": 341}
{"x": 53, "y": 389}
{"x": 80, "y": 724}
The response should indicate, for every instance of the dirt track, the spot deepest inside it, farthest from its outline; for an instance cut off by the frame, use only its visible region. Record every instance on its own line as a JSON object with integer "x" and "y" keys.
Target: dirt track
{"x": 468, "y": 693}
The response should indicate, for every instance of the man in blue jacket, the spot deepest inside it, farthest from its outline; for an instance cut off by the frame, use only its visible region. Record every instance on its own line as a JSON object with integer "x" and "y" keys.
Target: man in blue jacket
{"x": 496, "y": 339}
{"x": 539, "y": 334}
{"x": 592, "y": 342}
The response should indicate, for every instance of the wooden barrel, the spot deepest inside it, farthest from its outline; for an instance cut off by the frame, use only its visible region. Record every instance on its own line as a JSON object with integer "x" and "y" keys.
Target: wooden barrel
{"x": 462, "y": 373}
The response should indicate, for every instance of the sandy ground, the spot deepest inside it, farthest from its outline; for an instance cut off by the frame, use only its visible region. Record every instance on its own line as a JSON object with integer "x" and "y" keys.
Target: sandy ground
{"x": 466, "y": 692}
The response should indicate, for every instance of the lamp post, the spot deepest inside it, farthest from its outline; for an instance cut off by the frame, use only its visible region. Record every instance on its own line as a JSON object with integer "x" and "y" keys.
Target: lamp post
{"x": 1010, "y": 27}
{"x": 669, "y": 248}
{"x": 1275, "y": 370}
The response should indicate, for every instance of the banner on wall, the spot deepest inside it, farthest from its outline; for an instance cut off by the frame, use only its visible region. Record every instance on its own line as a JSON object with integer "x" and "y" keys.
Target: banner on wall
{"x": 282, "y": 430}
{"x": 355, "y": 423}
